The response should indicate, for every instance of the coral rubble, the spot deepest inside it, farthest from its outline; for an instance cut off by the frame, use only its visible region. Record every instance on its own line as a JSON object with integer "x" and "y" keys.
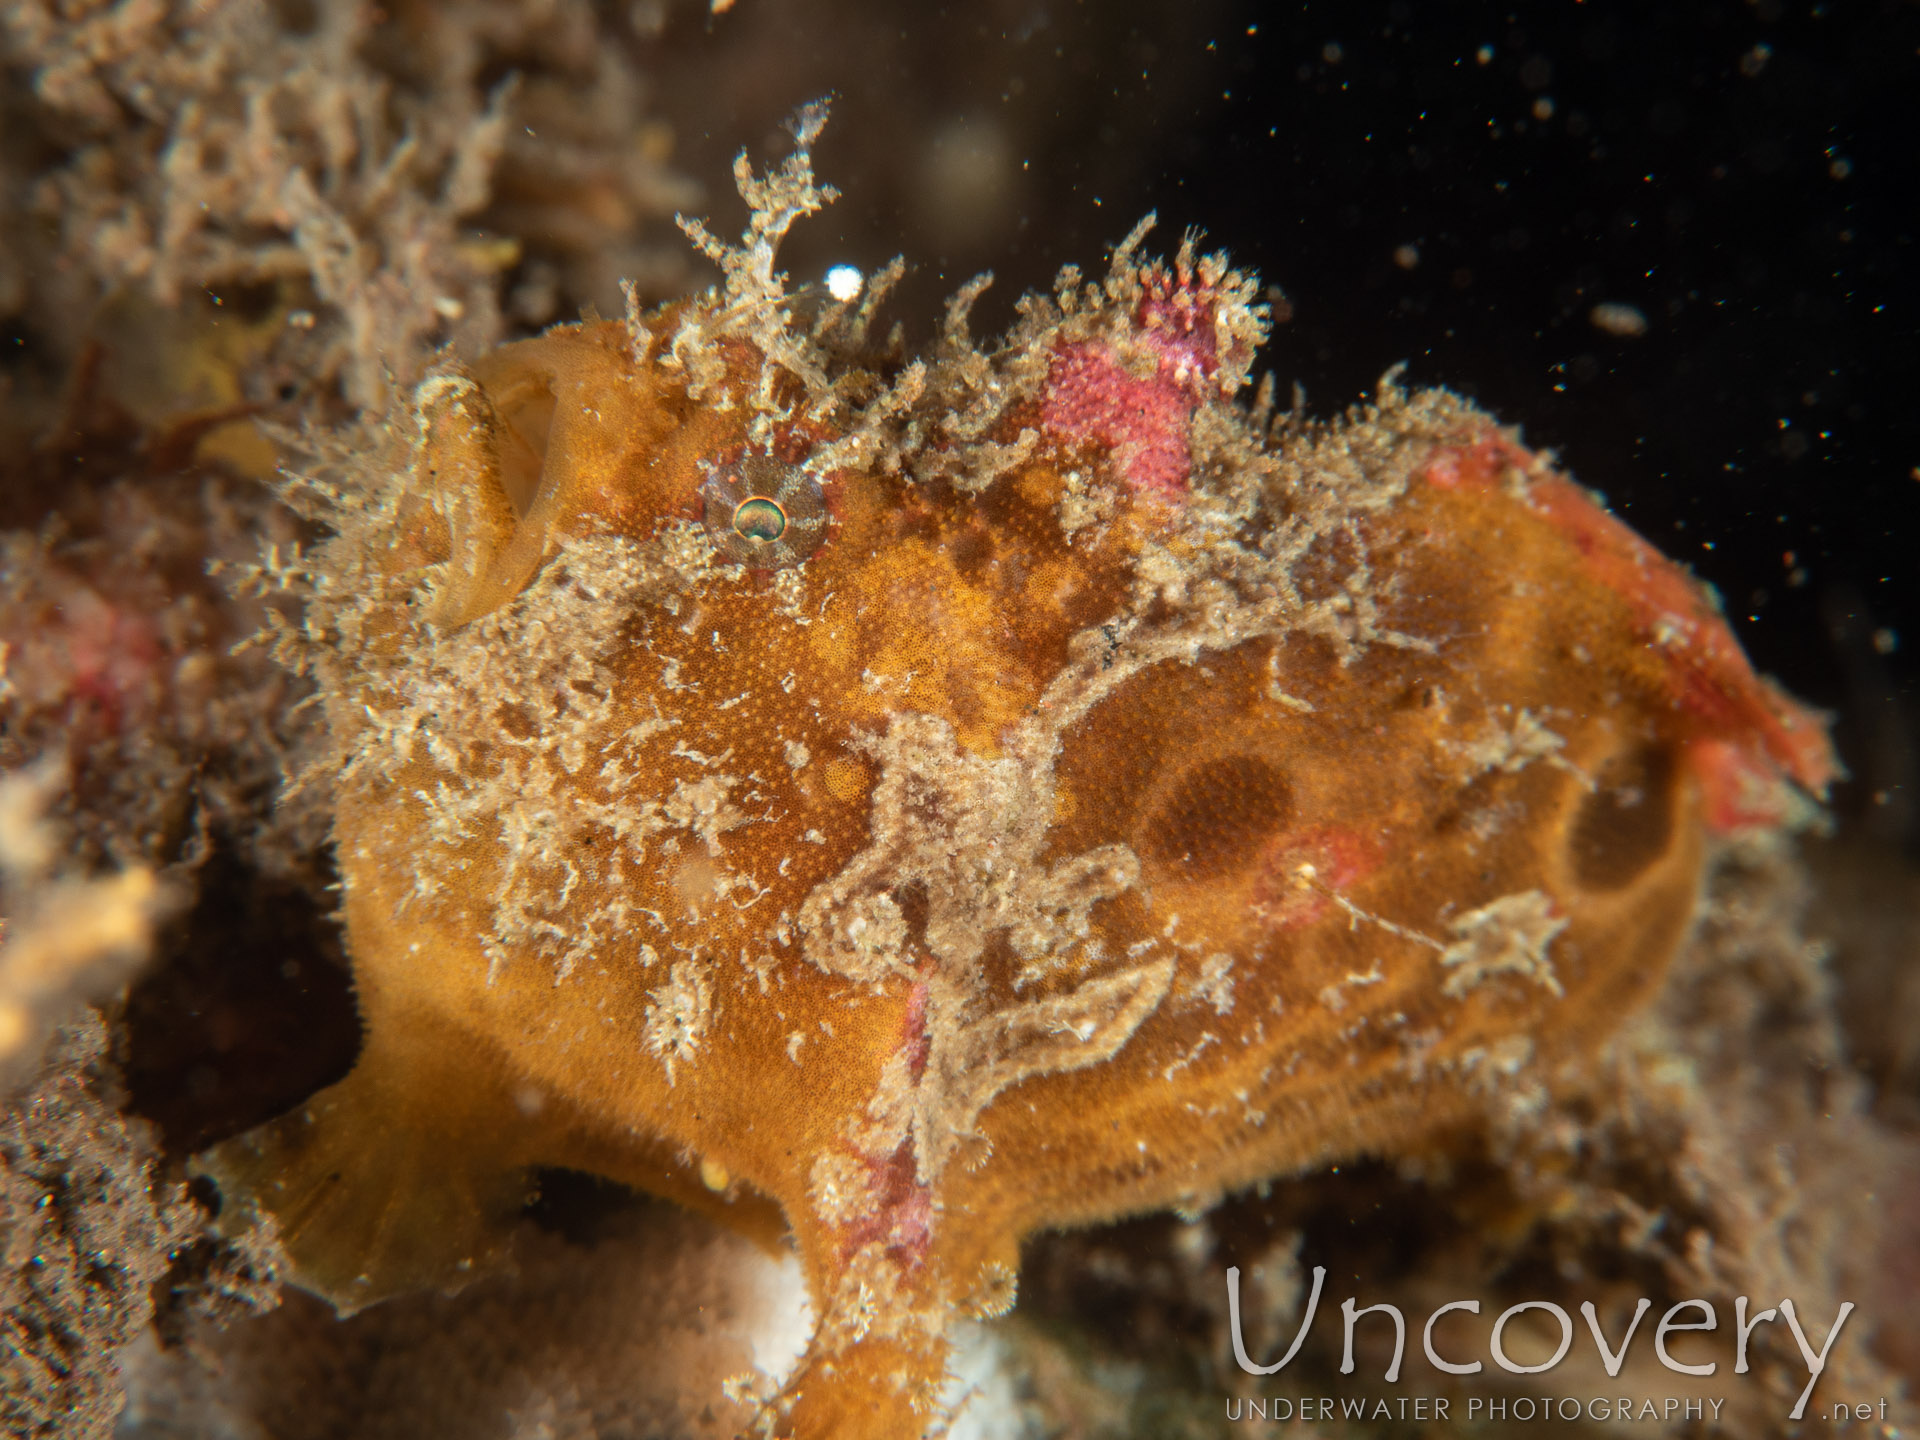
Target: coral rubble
{"x": 347, "y": 166}
{"x": 90, "y": 1227}
{"x": 218, "y": 222}
{"x": 908, "y": 804}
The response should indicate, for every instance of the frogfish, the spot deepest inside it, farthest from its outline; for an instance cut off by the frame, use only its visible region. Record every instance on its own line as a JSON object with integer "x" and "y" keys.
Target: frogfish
{"x": 898, "y": 804}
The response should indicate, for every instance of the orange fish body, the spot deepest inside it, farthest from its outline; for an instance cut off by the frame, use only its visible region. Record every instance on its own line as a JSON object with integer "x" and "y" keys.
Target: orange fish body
{"x": 909, "y": 807}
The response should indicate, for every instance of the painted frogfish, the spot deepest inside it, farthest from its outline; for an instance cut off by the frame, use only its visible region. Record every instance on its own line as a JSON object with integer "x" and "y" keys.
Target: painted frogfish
{"x": 897, "y": 804}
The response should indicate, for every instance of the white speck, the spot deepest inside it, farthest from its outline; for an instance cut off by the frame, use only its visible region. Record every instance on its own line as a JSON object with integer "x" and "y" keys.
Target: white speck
{"x": 1626, "y": 321}
{"x": 844, "y": 282}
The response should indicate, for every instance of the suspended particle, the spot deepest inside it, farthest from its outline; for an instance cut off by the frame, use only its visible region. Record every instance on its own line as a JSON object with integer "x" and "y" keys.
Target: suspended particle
{"x": 763, "y": 513}
{"x": 1617, "y": 318}
{"x": 844, "y": 282}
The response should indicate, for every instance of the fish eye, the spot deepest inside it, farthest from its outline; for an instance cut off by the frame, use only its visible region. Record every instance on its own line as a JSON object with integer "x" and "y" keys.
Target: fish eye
{"x": 762, "y": 512}
{"x": 759, "y": 519}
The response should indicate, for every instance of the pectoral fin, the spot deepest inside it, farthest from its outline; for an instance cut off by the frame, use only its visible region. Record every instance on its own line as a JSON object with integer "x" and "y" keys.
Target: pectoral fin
{"x": 393, "y": 1180}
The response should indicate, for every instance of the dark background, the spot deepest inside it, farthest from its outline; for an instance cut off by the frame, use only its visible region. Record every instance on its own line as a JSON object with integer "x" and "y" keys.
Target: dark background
{"x": 1457, "y": 187}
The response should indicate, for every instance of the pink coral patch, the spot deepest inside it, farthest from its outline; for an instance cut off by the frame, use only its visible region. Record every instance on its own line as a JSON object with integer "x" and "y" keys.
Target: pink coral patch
{"x": 899, "y": 1212}
{"x": 1092, "y": 397}
{"x": 1178, "y": 328}
{"x": 1137, "y": 395}
{"x": 105, "y": 661}
{"x": 1302, "y": 872}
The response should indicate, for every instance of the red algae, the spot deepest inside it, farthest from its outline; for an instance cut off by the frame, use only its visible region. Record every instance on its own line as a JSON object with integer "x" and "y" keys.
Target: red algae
{"x": 1193, "y": 330}
{"x": 1102, "y": 799}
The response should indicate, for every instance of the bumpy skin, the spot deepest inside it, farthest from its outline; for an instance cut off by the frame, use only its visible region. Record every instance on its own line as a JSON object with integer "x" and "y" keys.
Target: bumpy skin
{"x": 1126, "y": 800}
